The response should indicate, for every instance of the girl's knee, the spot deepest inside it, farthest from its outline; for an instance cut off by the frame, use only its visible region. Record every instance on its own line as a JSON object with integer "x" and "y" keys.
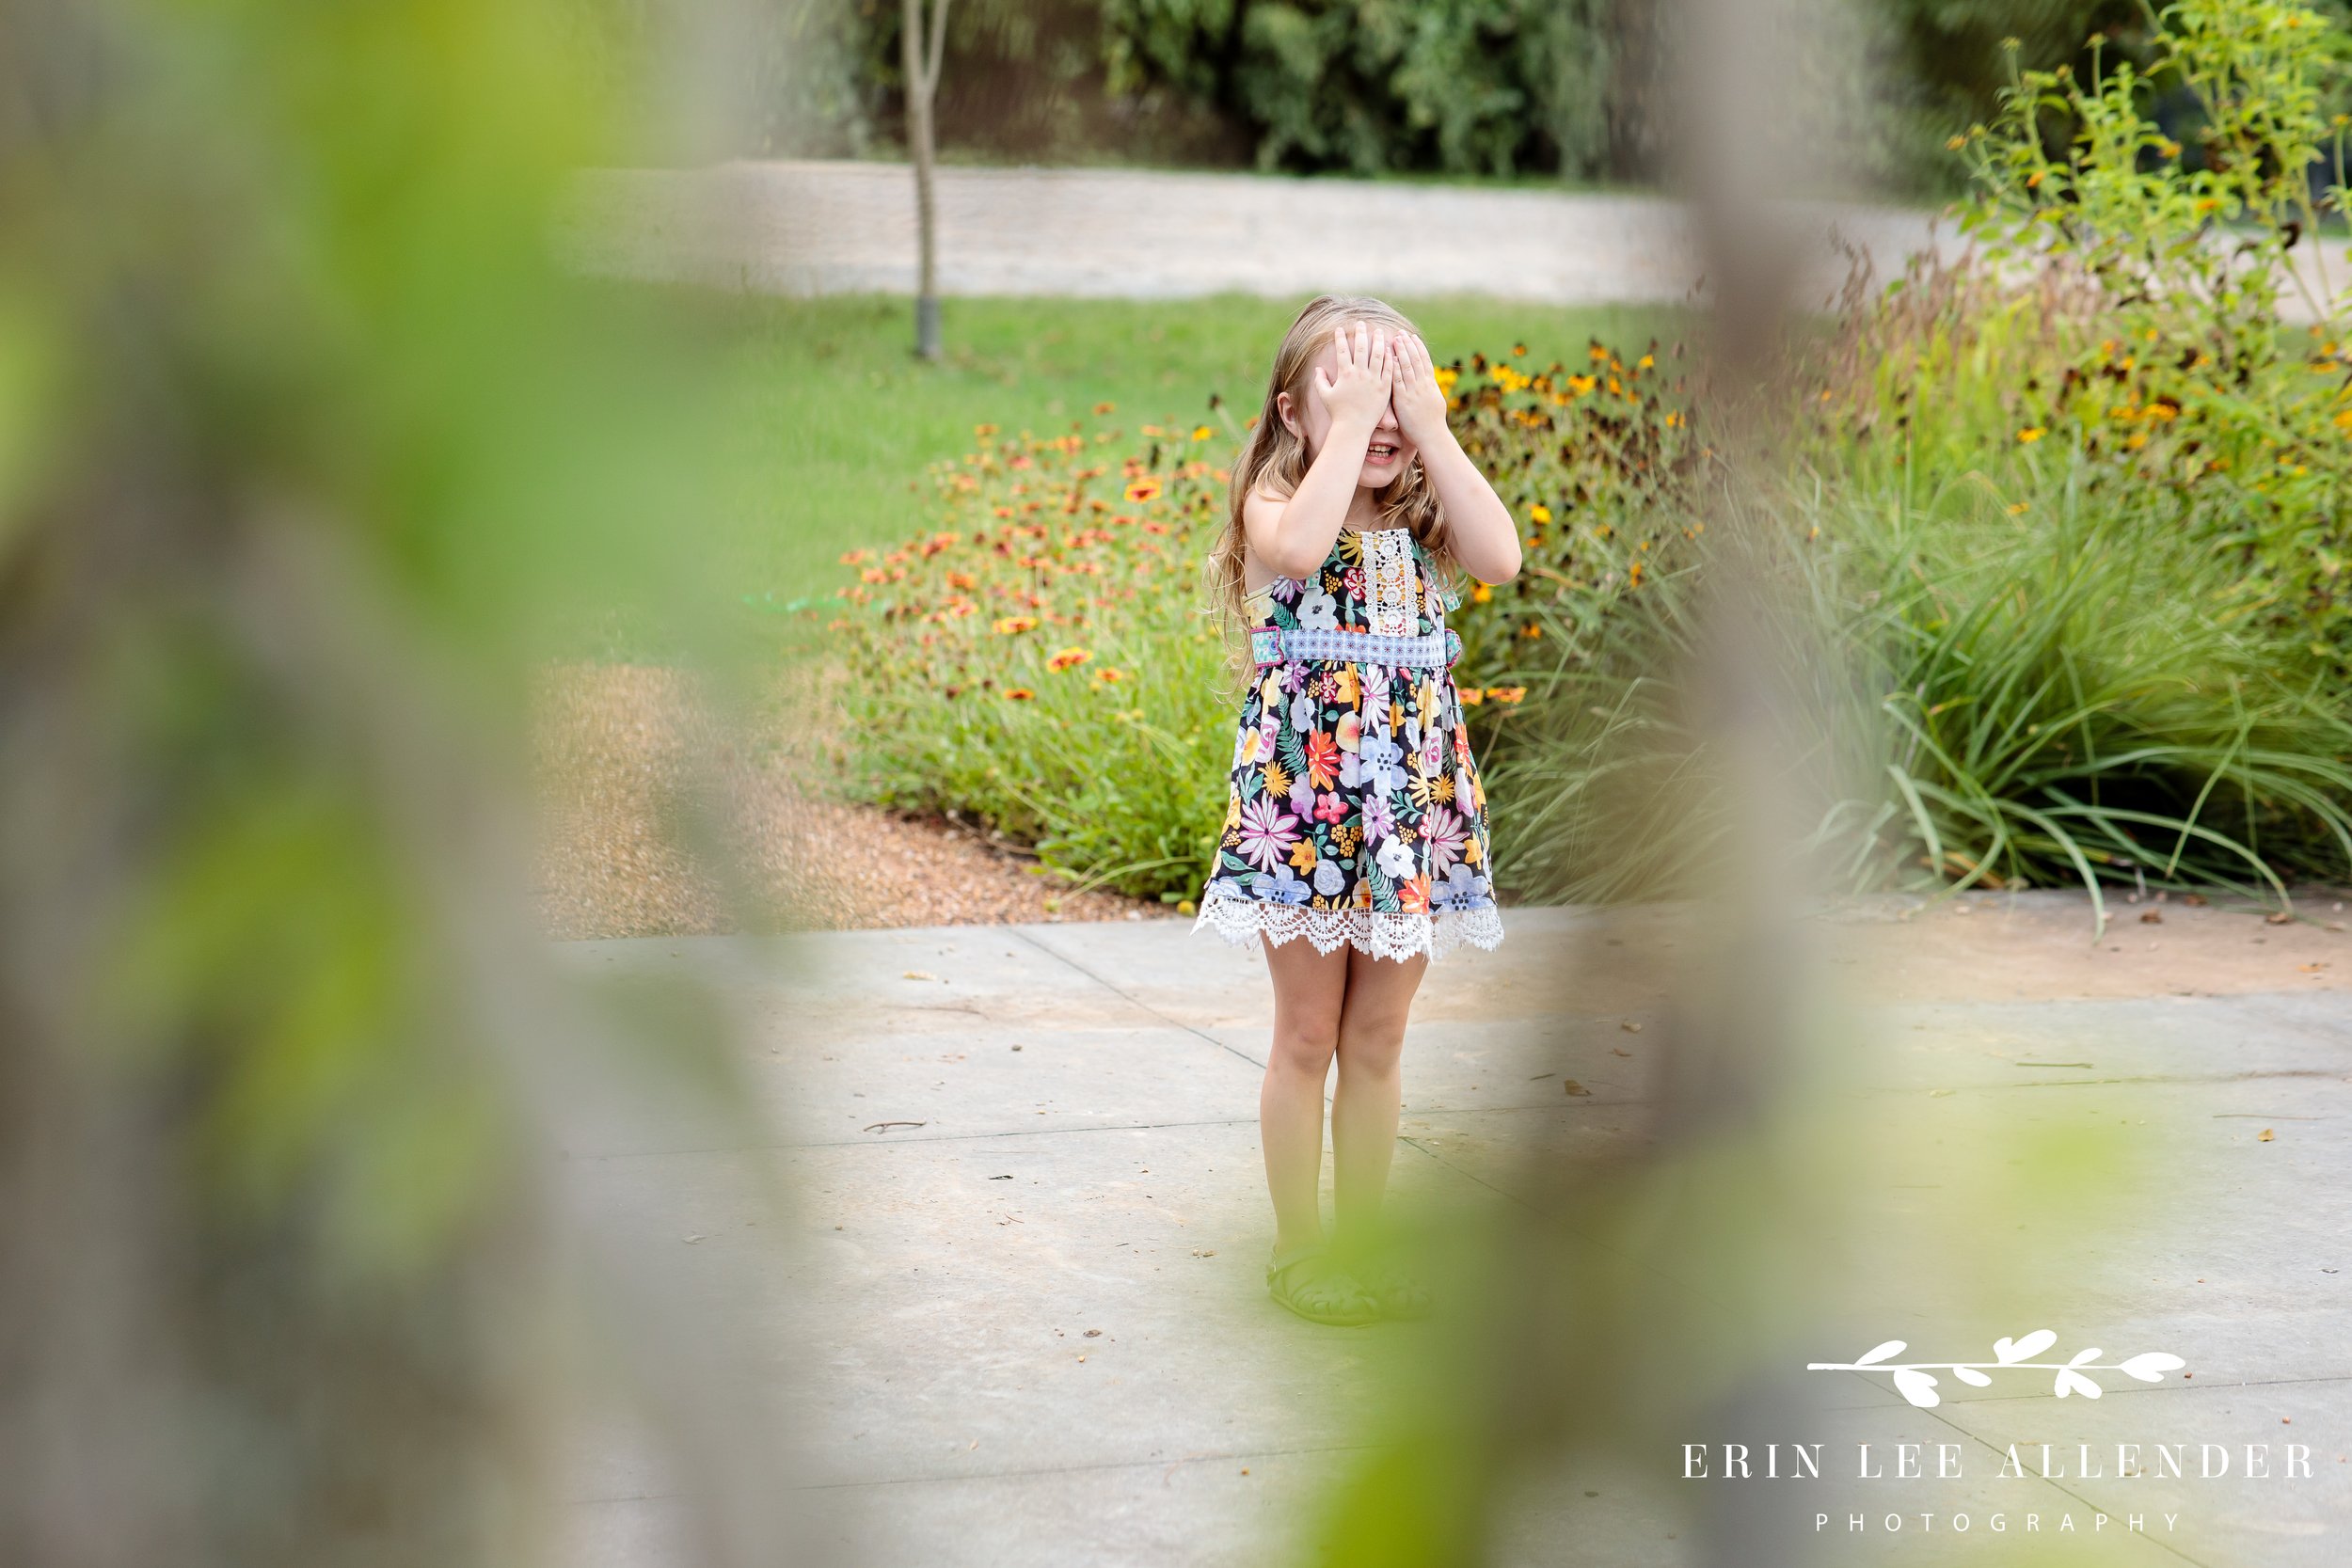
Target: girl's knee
{"x": 1307, "y": 1052}
{"x": 1371, "y": 1054}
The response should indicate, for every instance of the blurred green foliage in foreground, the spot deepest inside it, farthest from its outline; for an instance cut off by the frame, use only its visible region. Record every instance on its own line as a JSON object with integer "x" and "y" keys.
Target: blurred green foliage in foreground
{"x": 302, "y": 450}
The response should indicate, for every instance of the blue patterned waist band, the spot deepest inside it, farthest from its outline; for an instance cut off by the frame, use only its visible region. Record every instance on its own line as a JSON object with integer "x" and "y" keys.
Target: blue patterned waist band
{"x": 1270, "y": 645}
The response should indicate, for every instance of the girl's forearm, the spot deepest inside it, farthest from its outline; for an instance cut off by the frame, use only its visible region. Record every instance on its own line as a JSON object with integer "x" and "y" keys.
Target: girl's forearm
{"x": 1480, "y": 533}
{"x": 1312, "y": 518}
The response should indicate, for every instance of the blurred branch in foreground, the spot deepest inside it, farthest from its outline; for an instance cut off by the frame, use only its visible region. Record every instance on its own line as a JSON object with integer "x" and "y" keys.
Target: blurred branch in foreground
{"x": 1644, "y": 1284}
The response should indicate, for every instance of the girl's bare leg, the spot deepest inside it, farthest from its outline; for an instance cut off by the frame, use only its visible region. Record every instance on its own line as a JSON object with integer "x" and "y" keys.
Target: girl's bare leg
{"x": 1379, "y": 994}
{"x": 1309, "y": 989}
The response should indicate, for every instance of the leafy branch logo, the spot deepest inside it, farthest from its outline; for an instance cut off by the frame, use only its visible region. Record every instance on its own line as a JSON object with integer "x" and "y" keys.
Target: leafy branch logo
{"x": 1915, "y": 1381}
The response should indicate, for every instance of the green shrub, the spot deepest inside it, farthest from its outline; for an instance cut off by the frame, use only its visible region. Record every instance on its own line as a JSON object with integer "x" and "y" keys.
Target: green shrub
{"x": 2157, "y": 342}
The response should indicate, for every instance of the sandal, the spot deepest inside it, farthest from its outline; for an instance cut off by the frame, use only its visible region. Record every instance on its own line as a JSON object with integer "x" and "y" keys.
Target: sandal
{"x": 1318, "y": 1290}
{"x": 1398, "y": 1292}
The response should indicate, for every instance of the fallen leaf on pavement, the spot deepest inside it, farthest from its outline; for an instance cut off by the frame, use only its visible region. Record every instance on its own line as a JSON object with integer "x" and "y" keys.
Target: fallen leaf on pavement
{"x": 1573, "y": 1086}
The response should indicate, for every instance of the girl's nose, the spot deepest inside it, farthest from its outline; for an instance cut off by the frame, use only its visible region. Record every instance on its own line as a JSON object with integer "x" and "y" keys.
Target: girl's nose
{"x": 1387, "y": 415}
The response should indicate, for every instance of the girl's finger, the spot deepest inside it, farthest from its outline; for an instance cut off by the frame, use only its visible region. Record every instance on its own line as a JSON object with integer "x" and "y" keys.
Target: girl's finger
{"x": 1339, "y": 348}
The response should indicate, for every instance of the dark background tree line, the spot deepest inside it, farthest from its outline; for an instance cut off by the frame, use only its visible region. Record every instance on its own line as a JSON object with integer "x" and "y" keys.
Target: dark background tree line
{"x": 1571, "y": 90}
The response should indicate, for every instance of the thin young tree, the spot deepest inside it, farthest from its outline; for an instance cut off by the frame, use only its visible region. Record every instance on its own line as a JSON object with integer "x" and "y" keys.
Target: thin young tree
{"x": 922, "y": 52}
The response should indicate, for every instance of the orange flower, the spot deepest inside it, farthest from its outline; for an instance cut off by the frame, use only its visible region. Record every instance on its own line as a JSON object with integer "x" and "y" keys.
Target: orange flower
{"x": 1413, "y": 895}
{"x": 1472, "y": 696}
{"x": 1147, "y": 488}
{"x": 1108, "y": 676}
{"x": 1323, "y": 759}
{"x": 855, "y": 558}
{"x": 1018, "y": 694}
{"x": 2031, "y": 433}
{"x": 1509, "y": 696}
{"x": 984, "y": 431}
{"x": 1067, "y": 659}
{"x": 1106, "y": 408}
{"x": 1014, "y": 626}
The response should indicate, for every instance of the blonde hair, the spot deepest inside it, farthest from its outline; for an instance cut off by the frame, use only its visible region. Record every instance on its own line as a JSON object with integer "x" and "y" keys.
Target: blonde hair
{"x": 1275, "y": 459}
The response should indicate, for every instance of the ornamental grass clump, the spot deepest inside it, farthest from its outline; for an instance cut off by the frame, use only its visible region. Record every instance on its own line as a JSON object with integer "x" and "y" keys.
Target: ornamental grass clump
{"x": 2061, "y": 540}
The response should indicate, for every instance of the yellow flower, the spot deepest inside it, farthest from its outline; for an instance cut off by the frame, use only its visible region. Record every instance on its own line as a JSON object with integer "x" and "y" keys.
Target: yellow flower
{"x": 1147, "y": 488}
{"x": 1201, "y": 433}
{"x": 1481, "y": 593}
{"x": 1955, "y": 143}
{"x": 2033, "y": 181}
{"x": 2031, "y": 433}
{"x": 2017, "y": 509}
{"x": 1447, "y": 376}
{"x": 1108, "y": 676}
{"x": 1539, "y": 513}
{"x": 1278, "y": 779}
{"x": 1303, "y": 855}
{"x": 1673, "y": 421}
{"x": 1647, "y": 361}
{"x": 1014, "y": 626}
{"x": 984, "y": 431}
{"x": 1067, "y": 659}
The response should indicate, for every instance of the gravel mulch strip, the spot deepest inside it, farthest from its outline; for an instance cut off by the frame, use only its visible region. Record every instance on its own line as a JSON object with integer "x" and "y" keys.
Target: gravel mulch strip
{"x": 658, "y": 819}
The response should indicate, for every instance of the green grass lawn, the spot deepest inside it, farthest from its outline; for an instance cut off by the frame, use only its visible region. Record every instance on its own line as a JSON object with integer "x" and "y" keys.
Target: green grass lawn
{"x": 832, "y": 422}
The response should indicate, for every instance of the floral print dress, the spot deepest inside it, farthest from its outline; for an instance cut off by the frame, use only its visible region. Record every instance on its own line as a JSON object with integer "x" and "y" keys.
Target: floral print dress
{"x": 1355, "y": 814}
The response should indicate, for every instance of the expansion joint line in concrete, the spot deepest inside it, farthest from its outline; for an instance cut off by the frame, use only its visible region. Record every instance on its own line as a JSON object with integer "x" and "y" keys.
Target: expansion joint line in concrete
{"x": 2062, "y": 1490}
{"x": 1134, "y": 1000}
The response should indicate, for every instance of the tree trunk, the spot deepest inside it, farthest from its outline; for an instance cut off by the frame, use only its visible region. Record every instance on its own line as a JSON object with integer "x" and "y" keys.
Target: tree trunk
{"x": 922, "y": 55}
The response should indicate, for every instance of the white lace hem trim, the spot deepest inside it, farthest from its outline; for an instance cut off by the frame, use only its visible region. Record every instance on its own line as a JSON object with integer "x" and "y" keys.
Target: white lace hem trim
{"x": 1244, "y": 920}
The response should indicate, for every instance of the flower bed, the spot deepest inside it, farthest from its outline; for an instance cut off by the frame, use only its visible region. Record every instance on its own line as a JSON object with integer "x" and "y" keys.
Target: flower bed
{"x": 1042, "y": 655}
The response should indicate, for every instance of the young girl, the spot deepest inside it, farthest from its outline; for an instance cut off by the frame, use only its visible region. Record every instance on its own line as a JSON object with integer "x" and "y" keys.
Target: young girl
{"x": 1355, "y": 818}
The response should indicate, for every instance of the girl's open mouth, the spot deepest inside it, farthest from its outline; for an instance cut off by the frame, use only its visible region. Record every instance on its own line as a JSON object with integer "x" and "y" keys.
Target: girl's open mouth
{"x": 1379, "y": 453}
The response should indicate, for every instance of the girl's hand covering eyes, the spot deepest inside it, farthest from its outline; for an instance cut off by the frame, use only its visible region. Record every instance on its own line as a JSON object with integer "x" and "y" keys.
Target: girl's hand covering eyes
{"x": 1358, "y": 388}
{"x": 1419, "y": 402}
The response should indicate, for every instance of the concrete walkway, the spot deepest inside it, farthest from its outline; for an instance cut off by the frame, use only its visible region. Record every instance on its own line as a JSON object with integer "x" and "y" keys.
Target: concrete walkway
{"x": 1022, "y": 1278}
{"x": 846, "y": 228}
